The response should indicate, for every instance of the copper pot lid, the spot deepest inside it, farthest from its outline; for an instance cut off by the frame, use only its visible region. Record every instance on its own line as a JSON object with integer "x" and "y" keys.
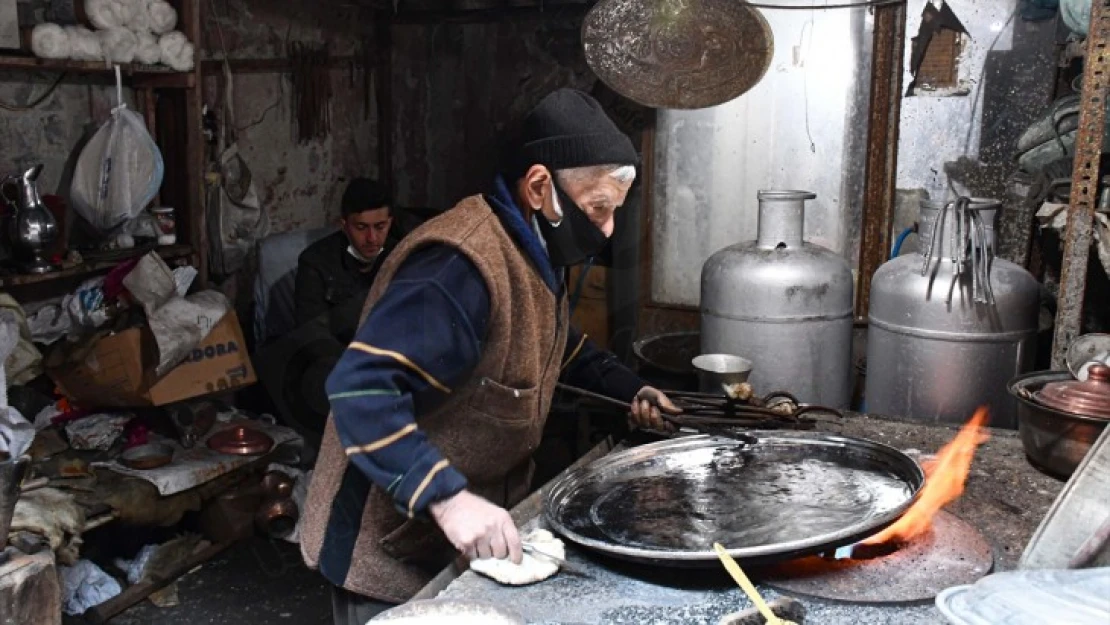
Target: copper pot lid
{"x": 1090, "y": 397}
{"x": 241, "y": 441}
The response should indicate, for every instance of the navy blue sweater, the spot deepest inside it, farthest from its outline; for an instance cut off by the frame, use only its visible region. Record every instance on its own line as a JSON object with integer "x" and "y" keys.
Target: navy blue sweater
{"x": 424, "y": 336}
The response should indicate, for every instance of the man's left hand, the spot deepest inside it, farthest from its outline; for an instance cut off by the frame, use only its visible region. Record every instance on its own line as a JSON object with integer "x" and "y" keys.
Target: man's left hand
{"x": 647, "y": 409}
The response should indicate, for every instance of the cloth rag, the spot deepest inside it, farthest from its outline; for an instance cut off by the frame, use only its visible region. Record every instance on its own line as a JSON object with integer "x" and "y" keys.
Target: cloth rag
{"x": 85, "y": 585}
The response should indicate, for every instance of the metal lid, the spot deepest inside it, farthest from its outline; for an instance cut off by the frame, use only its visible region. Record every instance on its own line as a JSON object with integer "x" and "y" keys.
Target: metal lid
{"x": 241, "y": 441}
{"x": 1090, "y": 397}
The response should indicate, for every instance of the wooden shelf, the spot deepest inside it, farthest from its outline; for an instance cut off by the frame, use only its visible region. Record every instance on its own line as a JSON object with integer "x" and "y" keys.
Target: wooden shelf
{"x": 95, "y": 265}
{"x": 139, "y": 75}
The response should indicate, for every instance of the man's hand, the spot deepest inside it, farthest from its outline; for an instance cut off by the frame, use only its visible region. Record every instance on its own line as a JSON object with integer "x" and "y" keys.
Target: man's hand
{"x": 477, "y": 528}
{"x": 646, "y": 409}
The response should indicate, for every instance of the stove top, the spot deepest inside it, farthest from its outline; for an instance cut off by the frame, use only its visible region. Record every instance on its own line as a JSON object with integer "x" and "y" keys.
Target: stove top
{"x": 952, "y": 553}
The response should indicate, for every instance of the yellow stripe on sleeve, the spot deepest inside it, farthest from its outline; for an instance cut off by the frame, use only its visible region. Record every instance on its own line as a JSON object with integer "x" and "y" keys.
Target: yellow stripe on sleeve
{"x": 404, "y": 360}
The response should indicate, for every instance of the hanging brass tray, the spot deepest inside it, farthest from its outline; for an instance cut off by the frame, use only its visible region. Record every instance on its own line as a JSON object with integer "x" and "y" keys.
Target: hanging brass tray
{"x": 677, "y": 54}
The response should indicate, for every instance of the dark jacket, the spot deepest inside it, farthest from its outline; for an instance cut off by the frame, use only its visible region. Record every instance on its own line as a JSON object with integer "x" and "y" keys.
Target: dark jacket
{"x": 331, "y": 281}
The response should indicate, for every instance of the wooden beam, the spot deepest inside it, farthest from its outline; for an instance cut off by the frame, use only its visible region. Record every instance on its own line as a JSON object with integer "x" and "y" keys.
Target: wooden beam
{"x": 478, "y": 16}
{"x": 383, "y": 88}
{"x": 880, "y": 176}
{"x": 266, "y": 66}
{"x": 137, "y": 592}
{"x": 195, "y": 146}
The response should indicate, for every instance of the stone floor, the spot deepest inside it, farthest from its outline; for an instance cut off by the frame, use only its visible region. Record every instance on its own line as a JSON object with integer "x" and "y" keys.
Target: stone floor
{"x": 256, "y": 581}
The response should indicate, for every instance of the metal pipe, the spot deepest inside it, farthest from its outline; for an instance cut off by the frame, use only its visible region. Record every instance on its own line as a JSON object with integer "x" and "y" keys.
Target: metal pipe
{"x": 1084, "y": 186}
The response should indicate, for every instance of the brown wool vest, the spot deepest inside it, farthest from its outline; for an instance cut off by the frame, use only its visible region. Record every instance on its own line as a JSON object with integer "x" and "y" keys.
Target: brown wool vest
{"x": 489, "y": 426}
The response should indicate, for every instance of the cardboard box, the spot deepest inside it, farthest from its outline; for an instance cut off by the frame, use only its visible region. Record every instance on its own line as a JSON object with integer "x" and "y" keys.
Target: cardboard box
{"x": 118, "y": 371}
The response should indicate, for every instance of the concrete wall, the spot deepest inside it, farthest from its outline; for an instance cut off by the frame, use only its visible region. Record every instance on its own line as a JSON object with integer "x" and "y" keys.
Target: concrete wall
{"x": 49, "y": 133}
{"x": 1007, "y": 72}
{"x": 300, "y": 185}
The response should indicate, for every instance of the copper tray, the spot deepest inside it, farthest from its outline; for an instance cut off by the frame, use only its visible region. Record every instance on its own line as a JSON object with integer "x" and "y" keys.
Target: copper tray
{"x": 790, "y": 494}
{"x": 686, "y": 54}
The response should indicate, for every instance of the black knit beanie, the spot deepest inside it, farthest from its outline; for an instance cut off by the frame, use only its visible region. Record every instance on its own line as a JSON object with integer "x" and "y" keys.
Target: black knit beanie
{"x": 568, "y": 129}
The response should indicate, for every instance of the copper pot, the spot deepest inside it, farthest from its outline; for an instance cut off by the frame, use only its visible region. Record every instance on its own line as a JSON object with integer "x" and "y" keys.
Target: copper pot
{"x": 230, "y": 516}
{"x": 277, "y": 485}
{"x": 1055, "y": 440}
{"x": 277, "y": 517}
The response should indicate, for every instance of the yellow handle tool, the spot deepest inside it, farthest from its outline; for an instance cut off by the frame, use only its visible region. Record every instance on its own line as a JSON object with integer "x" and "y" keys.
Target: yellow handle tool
{"x": 746, "y": 585}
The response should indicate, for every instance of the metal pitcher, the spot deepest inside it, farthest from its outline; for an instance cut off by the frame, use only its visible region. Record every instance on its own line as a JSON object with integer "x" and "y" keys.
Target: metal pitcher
{"x": 33, "y": 228}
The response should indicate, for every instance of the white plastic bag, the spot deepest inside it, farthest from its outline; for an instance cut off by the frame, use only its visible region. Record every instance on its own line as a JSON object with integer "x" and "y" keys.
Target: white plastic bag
{"x": 118, "y": 172}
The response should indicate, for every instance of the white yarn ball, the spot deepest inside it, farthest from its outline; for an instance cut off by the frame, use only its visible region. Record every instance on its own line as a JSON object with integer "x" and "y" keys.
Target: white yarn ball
{"x": 84, "y": 45}
{"x": 161, "y": 17}
{"x": 50, "y": 41}
{"x": 118, "y": 45}
{"x": 107, "y": 14}
{"x": 177, "y": 52}
{"x": 148, "y": 50}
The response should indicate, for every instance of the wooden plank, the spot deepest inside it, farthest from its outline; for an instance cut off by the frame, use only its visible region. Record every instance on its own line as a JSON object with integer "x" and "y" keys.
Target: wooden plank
{"x": 31, "y": 63}
{"x": 137, "y": 592}
{"x": 266, "y": 66}
{"x": 165, "y": 81}
{"x": 888, "y": 44}
{"x": 168, "y": 252}
{"x": 478, "y": 16}
{"x": 190, "y": 24}
{"x": 383, "y": 88}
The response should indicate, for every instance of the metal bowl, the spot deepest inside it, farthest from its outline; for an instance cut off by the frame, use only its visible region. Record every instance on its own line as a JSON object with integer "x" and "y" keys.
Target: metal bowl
{"x": 715, "y": 371}
{"x": 1055, "y": 441}
{"x": 148, "y": 456}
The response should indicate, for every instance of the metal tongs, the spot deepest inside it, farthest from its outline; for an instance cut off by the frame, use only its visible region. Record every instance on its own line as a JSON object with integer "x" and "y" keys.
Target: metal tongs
{"x": 699, "y": 407}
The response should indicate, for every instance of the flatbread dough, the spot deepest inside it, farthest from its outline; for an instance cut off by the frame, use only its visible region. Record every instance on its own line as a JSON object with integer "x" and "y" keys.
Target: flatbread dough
{"x": 532, "y": 569}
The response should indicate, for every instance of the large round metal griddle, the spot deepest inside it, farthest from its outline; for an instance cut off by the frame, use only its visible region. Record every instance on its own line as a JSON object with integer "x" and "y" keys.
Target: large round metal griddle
{"x": 951, "y": 553}
{"x": 788, "y": 495}
{"x": 677, "y": 54}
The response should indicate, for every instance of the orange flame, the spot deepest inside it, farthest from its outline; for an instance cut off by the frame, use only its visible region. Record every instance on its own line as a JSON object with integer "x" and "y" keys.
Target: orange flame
{"x": 945, "y": 476}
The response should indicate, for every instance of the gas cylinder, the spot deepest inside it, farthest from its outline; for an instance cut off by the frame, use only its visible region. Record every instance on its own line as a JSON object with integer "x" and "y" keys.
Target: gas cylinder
{"x": 949, "y": 326}
{"x": 784, "y": 304}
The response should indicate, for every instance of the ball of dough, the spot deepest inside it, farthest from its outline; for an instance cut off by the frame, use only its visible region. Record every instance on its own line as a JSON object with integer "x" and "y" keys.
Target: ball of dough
{"x": 532, "y": 569}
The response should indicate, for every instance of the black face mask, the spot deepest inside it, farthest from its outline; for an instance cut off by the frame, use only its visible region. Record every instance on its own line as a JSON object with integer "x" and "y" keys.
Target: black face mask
{"x": 576, "y": 238}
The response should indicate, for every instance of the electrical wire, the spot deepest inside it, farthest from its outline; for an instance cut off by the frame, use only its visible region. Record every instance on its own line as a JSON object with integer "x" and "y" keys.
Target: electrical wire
{"x": 819, "y": 7}
{"x": 19, "y": 108}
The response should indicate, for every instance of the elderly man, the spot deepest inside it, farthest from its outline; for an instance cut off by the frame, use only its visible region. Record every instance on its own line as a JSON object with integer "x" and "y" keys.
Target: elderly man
{"x": 440, "y": 400}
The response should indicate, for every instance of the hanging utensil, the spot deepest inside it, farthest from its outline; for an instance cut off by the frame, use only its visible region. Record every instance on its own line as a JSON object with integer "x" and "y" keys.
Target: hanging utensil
{"x": 678, "y": 54}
